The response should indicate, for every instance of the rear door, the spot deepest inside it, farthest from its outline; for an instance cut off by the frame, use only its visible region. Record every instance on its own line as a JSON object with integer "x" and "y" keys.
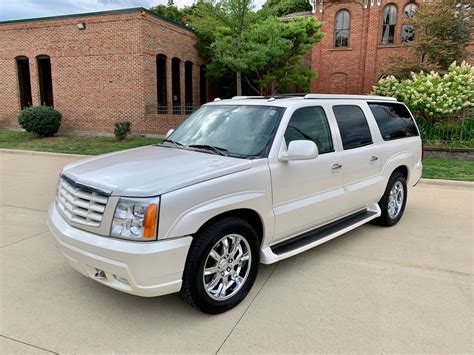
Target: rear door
{"x": 401, "y": 138}
{"x": 361, "y": 156}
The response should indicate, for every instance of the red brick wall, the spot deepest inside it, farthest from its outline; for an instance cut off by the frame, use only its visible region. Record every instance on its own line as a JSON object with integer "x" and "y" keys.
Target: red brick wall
{"x": 100, "y": 75}
{"x": 355, "y": 69}
{"x": 179, "y": 43}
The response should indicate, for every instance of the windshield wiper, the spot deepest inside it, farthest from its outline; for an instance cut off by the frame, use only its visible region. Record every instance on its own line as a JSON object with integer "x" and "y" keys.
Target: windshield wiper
{"x": 177, "y": 144}
{"x": 217, "y": 150}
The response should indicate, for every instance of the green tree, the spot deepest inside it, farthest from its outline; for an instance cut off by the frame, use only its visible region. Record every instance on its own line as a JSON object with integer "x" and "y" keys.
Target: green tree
{"x": 172, "y": 12}
{"x": 442, "y": 34}
{"x": 270, "y": 53}
{"x": 169, "y": 11}
{"x": 284, "y": 7}
{"x": 260, "y": 49}
{"x": 231, "y": 17}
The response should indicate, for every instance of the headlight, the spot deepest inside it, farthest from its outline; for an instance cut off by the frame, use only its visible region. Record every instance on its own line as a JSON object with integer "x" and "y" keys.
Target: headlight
{"x": 136, "y": 219}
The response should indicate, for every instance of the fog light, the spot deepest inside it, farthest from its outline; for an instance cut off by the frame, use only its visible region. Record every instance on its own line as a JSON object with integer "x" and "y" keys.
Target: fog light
{"x": 121, "y": 279}
{"x": 99, "y": 274}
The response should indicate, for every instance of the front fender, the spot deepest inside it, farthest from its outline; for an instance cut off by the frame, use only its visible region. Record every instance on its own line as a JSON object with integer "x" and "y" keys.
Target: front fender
{"x": 184, "y": 211}
{"x": 189, "y": 221}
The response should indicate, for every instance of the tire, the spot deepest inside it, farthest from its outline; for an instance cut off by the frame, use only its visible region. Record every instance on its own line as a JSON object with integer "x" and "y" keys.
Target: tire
{"x": 202, "y": 291}
{"x": 389, "y": 216}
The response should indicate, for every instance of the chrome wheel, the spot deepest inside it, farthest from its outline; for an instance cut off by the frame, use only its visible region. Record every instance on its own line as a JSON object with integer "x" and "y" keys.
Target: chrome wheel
{"x": 227, "y": 267}
{"x": 395, "y": 200}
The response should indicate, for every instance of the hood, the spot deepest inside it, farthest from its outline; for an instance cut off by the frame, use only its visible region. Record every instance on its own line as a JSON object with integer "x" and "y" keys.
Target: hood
{"x": 152, "y": 170}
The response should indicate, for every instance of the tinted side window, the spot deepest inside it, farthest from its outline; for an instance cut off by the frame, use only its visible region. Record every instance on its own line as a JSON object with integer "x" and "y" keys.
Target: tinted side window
{"x": 394, "y": 120}
{"x": 310, "y": 123}
{"x": 352, "y": 125}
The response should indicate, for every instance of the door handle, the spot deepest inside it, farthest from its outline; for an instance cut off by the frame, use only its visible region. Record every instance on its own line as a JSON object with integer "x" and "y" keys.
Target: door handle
{"x": 374, "y": 158}
{"x": 336, "y": 167}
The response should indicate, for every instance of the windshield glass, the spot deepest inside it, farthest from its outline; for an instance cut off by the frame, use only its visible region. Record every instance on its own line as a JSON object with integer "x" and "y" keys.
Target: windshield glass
{"x": 234, "y": 129}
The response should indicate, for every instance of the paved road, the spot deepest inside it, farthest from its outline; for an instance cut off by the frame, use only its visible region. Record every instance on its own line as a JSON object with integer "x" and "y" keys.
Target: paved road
{"x": 403, "y": 289}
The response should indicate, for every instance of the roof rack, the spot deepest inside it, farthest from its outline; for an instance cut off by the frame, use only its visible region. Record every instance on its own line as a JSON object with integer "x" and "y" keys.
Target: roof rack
{"x": 319, "y": 96}
{"x": 349, "y": 97}
{"x": 247, "y": 97}
{"x": 277, "y": 96}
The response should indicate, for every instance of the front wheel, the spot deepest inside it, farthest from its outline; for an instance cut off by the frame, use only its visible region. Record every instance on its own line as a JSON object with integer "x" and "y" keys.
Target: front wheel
{"x": 393, "y": 201}
{"x": 221, "y": 266}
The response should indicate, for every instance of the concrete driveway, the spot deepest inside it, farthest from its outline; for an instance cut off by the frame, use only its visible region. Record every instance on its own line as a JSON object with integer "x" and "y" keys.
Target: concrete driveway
{"x": 403, "y": 289}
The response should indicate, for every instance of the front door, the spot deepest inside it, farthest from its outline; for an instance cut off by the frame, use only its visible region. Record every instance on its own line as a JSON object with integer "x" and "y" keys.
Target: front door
{"x": 307, "y": 193}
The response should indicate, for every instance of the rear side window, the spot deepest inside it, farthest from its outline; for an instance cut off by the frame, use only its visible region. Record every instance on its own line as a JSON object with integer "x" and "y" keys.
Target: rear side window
{"x": 310, "y": 123}
{"x": 353, "y": 126}
{"x": 394, "y": 120}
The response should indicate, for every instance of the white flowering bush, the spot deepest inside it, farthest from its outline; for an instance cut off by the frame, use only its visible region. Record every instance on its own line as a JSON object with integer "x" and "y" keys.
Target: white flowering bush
{"x": 433, "y": 96}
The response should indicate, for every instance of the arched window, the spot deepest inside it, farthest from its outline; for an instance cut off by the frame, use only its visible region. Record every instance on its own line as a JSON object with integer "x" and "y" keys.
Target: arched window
{"x": 24, "y": 83}
{"x": 188, "y": 86}
{"x": 161, "y": 87}
{"x": 408, "y": 31}
{"x": 341, "y": 29}
{"x": 176, "y": 85}
{"x": 45, "y": 80}
{"x": 389, "y": 22}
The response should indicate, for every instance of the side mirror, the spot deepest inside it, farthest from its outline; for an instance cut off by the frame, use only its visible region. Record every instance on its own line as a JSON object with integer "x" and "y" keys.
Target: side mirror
{"x": 300, "y": 150}
{"x": 169, "y": 133}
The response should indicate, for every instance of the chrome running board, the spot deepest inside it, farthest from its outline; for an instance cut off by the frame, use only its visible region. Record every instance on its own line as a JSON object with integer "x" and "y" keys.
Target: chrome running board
{"x": 314, "y": 237}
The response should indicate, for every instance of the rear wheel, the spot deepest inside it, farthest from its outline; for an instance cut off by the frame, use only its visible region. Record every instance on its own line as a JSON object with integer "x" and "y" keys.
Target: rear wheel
{"x": 393, "y": 201}
{"x": 221, "y": 266}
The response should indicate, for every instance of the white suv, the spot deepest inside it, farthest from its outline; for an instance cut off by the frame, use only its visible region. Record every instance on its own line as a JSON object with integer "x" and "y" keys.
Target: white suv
{"x": 239, "y": 182}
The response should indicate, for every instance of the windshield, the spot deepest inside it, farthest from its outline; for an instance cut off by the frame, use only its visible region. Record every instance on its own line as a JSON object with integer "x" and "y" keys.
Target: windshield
{"x": 234, "y": 129}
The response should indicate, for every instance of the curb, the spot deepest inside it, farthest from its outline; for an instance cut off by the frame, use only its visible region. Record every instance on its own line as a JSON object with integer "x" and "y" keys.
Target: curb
{"x": 452, "y": 183}
{"x": 34, "y": 152}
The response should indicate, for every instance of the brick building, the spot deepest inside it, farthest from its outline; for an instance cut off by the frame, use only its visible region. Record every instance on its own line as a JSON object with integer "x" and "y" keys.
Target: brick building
{"x": 360, "y": 38}
{"x": 131, "y": 64}
{"x": 99, "y": 68}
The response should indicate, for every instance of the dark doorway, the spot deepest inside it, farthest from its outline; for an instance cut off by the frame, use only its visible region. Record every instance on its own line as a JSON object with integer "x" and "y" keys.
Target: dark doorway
{"x": 175, "y": 85}
{"x": 202, "y": 85}
{"x": 161, "y": 86}
{"x": 45, "y": 80}
{"x": 188, "y": 86}
{"x": 24, "y": 83}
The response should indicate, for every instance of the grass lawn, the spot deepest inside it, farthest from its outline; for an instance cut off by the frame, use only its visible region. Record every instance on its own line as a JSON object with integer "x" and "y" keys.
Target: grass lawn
{"x": 434, "y": 168}
{"x": 68, "y": 143}
{"x": 448, "y": 169}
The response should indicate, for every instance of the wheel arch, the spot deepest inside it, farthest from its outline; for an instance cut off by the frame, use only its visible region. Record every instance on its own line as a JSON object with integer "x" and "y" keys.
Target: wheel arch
{"x": 400, "y": 162}
{"x": 249, "y": 215}
{"x": 402, "y": 169}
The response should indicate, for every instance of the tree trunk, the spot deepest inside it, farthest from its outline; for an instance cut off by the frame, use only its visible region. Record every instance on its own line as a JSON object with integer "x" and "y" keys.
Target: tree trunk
{"x": 238, "y": 79}
{"x": 238, "y": 74}
{"x": 273, "y": 88}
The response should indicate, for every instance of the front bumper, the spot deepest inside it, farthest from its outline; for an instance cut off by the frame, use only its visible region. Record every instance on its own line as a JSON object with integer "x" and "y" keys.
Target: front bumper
{"x": 141, "y": 268}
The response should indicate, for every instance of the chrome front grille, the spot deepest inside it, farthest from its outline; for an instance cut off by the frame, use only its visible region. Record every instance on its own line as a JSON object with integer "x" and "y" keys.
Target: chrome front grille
{"x": 79, "y": 204}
